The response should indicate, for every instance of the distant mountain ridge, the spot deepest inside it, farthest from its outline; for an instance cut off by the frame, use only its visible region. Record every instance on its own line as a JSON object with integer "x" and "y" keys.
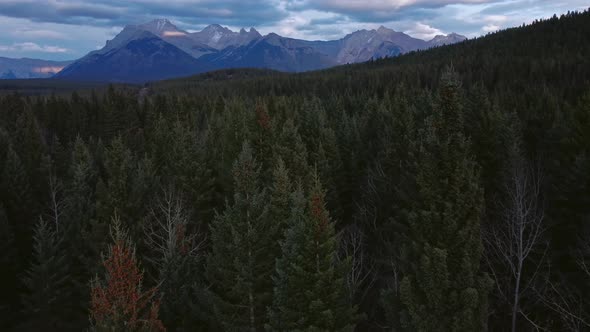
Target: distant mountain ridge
{"x": 29, "y": 68}
{"x": 134, "y": 56}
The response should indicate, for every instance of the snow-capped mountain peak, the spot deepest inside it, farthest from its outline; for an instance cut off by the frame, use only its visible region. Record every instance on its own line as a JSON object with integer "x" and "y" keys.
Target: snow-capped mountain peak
{"x": 161, "y": 27}
{"x": 161, "y": 24}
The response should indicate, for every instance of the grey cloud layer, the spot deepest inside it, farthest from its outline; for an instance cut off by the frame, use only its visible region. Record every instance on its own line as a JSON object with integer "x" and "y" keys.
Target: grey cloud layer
{"x": 380, "y": 10}
{"x": 244, "y": 13}
{"x": 71, "y": 12}
{"x": 80, "y": 12}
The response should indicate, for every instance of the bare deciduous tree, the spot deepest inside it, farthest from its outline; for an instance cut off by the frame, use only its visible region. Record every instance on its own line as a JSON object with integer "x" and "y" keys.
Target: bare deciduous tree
{"x": 583, "y": 255}
{"x": 361, "y": 274}
{"x": 567, "y": 302}
{"x": 167, "y": 231}
{"x": 56, "y": 200}
{"x": 517, "y": 237}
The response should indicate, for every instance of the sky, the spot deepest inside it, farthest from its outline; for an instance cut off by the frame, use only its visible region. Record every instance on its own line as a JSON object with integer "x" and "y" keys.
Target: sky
{"x": 68, "y": 29}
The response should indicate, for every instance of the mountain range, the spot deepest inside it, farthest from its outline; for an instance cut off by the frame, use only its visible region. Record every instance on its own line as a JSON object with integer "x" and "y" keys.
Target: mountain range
{"x": 159, "y": 50}
{"x": 29, "y": 68}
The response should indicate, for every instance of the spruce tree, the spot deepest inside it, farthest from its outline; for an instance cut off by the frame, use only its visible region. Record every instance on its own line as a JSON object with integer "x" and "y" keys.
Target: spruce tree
{"x": 279, "y": 202}
{"x": 125, "y": 191}
{"x": 263, "y": 135}
{"x": 309, "y": 291}
{"x": 240, "y": 265}
{"x": 80, "y": 189}
{"x": 113, "y": 191}
{"x": 571, "y": 182}
{"x": 30, "y": 145}
{"x": 47, "y": 302}
{"x": 386, "y": 193}
{"x": 184, "y": 166}
{"x": 291, "y": 149}
{"x": 83, "y": 254}
{"x": 17, "y": 196}
{"x": 444, "y": 288}
{"x": 9, "y": 273}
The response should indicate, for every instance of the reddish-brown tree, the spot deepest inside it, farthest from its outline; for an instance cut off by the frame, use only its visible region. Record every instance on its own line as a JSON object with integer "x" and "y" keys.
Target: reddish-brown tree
{"x": 117, "y": 301}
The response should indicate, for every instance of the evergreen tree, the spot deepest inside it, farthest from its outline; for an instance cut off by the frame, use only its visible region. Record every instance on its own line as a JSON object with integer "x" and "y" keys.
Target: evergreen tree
{"x": 386, "y": 193}
{"x": 83, "y": 254}
{"x": 291, "y": 149}
{"x": 113, "y": 191}
{"x": 16, "y": 195}
{"x": 8, "y": 274}
{"x": 263, "y": 134}
{"x": 184, "y": 167}
{"x": 80, "y": 189}
{"x": 240, "y": 265}
{"x": 279, "y": 209}
{"x": 29, "y": 144}
{"x": 320, "y": 140}
{"x": 571, "y": 183}
{"x": 444, "y": 288}
{"x": 125, "y": 191}
{"x": 47, "y": 302}
{"x": 309, "y": 292}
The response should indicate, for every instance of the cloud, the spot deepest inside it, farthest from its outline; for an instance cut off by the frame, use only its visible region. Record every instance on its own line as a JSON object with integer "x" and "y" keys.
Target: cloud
{"x": 32, "y": 47}
{"x": 381, "y": 10}
{"x": 39, "y": 33}
{"x": 114, "y": 12}
{"x": 380, "y": 5}
{"x": 423, "y": 31}
{"x": 490, "y": 28}
{"x": 59, "y": 11}
{"x": 48, "y": 69}
{"x": 173, "y": 34}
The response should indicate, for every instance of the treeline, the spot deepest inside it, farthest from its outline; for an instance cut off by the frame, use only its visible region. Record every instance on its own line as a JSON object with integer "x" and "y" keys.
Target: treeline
{"x": 406, "y": 194}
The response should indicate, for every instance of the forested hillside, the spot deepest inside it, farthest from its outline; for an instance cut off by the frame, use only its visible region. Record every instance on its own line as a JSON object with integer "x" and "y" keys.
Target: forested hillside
{"x": 441, "y": 190}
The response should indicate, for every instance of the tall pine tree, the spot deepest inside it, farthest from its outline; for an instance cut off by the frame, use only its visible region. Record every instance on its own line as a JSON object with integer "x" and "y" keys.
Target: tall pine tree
{"x": 82, "y": 253}
{"x": 309, "y": 292}
{"x": 444, "y": 288}
{"x": 8, "y": 274}
{"x": 240, "y": 265}
{"x": 47, "y": 303}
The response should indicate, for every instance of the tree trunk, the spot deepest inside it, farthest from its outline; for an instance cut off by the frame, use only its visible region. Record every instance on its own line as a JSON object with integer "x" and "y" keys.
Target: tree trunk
{"x": 516, "y": 297}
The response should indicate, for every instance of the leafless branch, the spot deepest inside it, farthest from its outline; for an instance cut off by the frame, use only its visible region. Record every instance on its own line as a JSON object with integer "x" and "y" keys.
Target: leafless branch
{"x": 568, "y": 304}
{"x": 536, "y": 326}
{"x": 166, "y": 233}
{"x": 519, "y": 233}
{"x": 362, "y": 268}
{"x": 56, "y": 200}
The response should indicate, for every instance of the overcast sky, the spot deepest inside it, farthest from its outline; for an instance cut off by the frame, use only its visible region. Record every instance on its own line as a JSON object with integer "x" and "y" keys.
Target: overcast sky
{"x": 68, "y": 29}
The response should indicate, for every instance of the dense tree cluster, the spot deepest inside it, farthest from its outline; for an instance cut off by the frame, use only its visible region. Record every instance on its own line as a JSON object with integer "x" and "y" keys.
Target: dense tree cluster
{"x": 445, "y": 190}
